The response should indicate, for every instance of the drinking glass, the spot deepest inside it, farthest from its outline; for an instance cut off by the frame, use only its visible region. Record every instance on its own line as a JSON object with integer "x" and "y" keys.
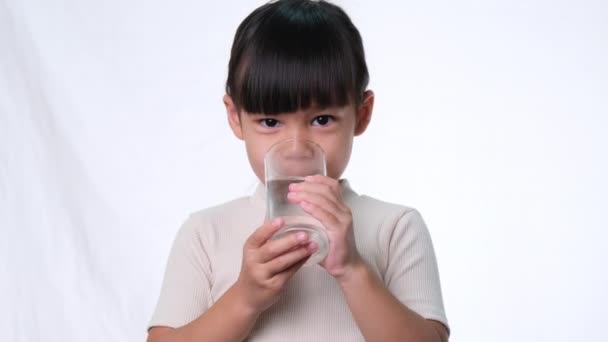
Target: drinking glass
{"x": 286, "y": 162}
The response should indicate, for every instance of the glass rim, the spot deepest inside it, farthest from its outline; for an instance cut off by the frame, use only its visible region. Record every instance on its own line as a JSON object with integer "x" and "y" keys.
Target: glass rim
{"x": 308, "y": 141}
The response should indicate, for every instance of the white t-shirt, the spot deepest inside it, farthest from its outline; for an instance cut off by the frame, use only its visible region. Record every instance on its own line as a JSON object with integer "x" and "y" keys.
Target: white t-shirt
{"x": 205, "y": 261}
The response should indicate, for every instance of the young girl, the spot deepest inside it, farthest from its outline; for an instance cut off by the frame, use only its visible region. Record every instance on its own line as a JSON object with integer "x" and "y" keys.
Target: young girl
{"x": 297, "y": 69}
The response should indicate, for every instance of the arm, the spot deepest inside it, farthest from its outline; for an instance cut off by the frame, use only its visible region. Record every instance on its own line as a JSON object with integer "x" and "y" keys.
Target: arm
{"x": 379, "y": 315}
{"x": 267, "y": 266}
{"x": 211, "y": 326}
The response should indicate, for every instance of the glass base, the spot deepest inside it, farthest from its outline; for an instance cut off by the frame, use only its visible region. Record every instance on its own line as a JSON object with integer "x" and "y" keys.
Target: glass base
{"x": 315, "y": 234}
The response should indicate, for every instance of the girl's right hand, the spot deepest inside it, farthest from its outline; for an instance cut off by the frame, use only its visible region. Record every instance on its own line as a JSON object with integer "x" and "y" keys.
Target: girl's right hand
{"x": 269, "y": 263}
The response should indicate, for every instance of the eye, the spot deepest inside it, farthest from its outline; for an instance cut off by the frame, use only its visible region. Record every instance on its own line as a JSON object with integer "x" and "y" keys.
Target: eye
{"x": 322, "y": 120}
{"x": 269, "y": 123}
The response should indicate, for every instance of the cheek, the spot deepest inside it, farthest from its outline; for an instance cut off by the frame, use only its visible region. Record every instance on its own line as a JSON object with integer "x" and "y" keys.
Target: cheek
{"x": 255, "y": 153}
{"x": 338, "y": 157}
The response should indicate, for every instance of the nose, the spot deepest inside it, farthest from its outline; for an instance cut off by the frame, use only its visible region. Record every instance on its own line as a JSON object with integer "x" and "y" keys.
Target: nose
{"x": 299, "y": 133}
{"x": 294, "y": 157}
{"x": 298, "y": 149}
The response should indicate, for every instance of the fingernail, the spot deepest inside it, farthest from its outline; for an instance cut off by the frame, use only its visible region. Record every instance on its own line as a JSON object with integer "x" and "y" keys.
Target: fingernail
{"x": 312, "y": 246}
{"x": 301, "y": 236}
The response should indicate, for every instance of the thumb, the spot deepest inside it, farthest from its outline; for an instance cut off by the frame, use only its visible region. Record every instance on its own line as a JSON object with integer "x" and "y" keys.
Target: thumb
{"x": 264, "y": 232}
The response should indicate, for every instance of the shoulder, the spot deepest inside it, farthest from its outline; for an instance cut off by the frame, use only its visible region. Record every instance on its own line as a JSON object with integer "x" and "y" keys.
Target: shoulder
{"x": 389, "y": 224}
{"x": 373, "y": 208}
{"x": 390, "y": 235}
{"x": 223, "y": 215}
{"x": 223, "y": 210}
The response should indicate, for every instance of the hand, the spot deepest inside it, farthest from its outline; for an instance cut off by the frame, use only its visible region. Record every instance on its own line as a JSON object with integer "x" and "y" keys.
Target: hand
{"x": 320, "y": 196}
{"x": 269, "y": 263}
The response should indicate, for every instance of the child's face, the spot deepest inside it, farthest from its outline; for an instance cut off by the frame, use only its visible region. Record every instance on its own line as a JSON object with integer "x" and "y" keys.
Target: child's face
{"x": 332, "y": 128}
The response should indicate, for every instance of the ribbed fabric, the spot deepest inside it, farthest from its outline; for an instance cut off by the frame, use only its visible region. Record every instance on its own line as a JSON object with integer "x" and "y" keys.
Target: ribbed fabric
{"x": 205, "y": 261}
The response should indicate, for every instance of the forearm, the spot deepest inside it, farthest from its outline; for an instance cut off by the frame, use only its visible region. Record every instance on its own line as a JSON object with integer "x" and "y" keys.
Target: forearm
{"x": 227, "y": 320}
{"x": 379, "y": 315}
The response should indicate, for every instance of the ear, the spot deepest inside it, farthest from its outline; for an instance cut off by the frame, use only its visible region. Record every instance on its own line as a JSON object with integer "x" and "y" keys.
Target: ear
{"x": 364, "y": 113}
{"x": 234, "y": 119}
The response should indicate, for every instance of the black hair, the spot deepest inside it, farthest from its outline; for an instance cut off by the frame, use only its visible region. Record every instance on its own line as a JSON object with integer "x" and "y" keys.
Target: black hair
{"x": 291, "y": 54}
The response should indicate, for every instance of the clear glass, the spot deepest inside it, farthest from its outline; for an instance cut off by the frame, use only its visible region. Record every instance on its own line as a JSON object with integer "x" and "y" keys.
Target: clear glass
{"x": 286, "y": 162}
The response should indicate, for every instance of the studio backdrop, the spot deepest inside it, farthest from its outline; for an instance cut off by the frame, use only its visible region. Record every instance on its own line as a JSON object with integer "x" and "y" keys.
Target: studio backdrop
{"x": 491, "y": 119}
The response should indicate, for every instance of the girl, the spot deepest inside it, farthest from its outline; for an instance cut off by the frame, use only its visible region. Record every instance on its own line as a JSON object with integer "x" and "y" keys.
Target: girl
{"x": 297, "y": 69}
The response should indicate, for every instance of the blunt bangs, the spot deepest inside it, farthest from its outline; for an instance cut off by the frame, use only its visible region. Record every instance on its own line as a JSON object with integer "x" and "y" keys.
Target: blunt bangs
{"x": 292, "y": 55}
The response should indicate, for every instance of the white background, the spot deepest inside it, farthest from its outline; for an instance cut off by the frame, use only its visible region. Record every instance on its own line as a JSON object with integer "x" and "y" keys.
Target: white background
{"x": 490, "y": 118}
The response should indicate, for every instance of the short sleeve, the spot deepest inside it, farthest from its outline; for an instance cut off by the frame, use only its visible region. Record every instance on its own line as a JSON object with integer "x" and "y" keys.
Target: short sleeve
{"x": 186, "y": 287}
{"x": 412, "y": 275}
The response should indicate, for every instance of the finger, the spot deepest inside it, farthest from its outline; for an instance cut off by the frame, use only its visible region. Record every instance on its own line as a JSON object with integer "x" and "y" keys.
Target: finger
{"x": 279, "y": 279}
{"x": 323, "y": 189}
{"x": 319, "y": 188}
{"x": 333, "y": 184}
{"x": 287, "y": 260}
{"x": 276, "y": 247}
{"x": 328, "y": 219}
{"x": 265, "y": 232}
{"x": 320, "y": 184}
{"x": 316, "y": 199}
{"x": 290, "y": 271}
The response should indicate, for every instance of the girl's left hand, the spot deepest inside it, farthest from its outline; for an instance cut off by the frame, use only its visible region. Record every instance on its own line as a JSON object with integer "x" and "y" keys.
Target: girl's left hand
{"x": 320, "y": 196}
